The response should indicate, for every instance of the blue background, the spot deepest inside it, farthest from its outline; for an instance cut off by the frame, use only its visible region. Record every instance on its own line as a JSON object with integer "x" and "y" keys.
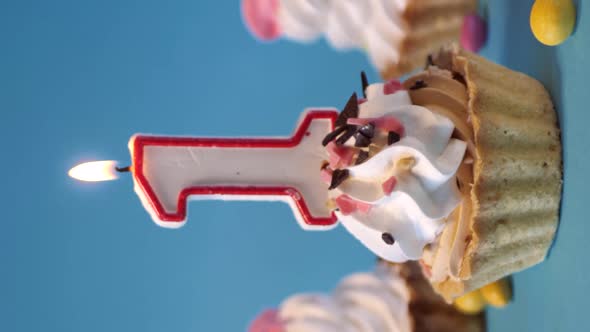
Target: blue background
{"x": 78, "y": 78}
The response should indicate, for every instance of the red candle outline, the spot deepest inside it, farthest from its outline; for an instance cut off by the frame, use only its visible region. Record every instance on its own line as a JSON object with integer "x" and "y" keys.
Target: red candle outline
{"x": 141, "y": 141}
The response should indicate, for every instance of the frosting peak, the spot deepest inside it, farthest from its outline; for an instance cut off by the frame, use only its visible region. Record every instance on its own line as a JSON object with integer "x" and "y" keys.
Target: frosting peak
{"x": 362, "y": 302}
{"x": 374, "y": 25}
{"x": 406, "y": 187}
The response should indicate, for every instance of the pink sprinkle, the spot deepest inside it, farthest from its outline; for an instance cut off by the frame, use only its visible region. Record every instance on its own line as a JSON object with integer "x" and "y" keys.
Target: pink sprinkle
{"x": 390, "y": 123}
{"x": 267, "y": 321}
{"x": 391, "y": 87}
{"x": 386, "y": 122}
{"x": 346, "y": 204}
{"x": 261, "y": 18}
{"x": 333, "y": 154}
{"x": 474, "y": 32}
{"x": 361, "y": 100}
{"x": 388, "y": 185}
{"x": 349, "y": 205}
{"x": 363, "y": 207}
{"x": 425, "y": 269}
{"x": 359, "y": 121}
{"x": 326, "y": 175}
{"x": 348, "y": 156}
{"x": 339, "y": 156}
{"x": 334, "y": 160}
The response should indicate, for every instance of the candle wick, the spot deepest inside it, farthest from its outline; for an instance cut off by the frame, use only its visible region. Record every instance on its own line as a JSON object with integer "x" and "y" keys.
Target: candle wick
{"x": 123, "y": 169}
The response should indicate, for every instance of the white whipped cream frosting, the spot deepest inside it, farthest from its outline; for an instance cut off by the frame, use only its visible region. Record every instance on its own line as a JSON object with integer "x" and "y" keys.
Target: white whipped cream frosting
{"x": 362, "y": 302}
{"x": 374, "y": 25}
{"x": 414, "y": 212}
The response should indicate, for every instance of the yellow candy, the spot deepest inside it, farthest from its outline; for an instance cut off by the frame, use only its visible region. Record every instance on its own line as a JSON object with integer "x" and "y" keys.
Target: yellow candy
{"x": 497, "y": 293}
{"x": 552, "y": 21}
{"x": 470, "y": 303}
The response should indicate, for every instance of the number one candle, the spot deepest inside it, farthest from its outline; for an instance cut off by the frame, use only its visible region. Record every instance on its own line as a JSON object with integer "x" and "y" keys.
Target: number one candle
{"x": 168, "y": 171}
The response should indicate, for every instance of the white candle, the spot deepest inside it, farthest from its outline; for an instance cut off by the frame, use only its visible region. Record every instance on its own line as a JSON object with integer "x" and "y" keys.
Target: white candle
{"x": 168, "y": 171}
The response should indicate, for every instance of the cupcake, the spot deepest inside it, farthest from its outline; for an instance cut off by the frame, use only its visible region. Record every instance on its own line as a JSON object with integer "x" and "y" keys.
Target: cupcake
{"x": 394, "y": 297}
{"x": 396, "y": 35}
{"x": 459, "y": 167}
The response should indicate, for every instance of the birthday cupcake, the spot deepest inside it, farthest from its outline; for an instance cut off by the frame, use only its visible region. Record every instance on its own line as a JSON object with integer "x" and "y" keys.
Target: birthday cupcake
{"x": 459, "y": 167}
{"x": 397, "y": 35}
{"x": 394, "y": 297}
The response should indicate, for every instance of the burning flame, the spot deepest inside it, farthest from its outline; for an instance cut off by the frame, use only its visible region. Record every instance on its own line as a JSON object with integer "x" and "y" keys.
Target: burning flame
{"x": 94, "y": 171}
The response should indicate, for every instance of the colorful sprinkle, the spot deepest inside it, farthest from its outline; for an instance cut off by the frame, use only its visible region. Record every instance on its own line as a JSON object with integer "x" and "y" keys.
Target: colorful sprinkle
{"x": 390, "y": 123}
{"x": 361, "y": 141}
{"x": 362, "y": 157}
{"x": 359, "y": 121}
{"x": 365, "y": 83}
{"x": 350, "y": 110}
{"x": 425, "y": 269}
{"x": 391, "y": 87}
{"x": 368, "y": 130}
{"x": 363, "y": 207}
{"x": 346, "y": 204}
{"x": 331, "y": 136}
{"x": 388, "y": 238}
{"x": 389, "y": 185}
{"x": 392, "y": 137}
{"x": 326, "y": 175}
{"x": 387, "y": 123}
{"x": 338, "y": 176}
{"x": 350, "y": 130}
{"x": 339, "y": 156}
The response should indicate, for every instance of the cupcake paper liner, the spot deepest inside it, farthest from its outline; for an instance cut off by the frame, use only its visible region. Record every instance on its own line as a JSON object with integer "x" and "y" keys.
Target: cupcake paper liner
{"x": 429, "y": 312}
{"x": 517, "y": 172}
{"x": 429, "y": 24}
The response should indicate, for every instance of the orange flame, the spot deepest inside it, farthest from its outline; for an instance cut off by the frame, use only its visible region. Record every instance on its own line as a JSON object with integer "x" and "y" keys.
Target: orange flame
{"x": 95, "y": 171}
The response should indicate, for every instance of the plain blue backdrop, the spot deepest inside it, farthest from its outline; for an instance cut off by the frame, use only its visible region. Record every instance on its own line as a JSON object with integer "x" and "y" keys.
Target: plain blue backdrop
{"x": 78, "y": 78}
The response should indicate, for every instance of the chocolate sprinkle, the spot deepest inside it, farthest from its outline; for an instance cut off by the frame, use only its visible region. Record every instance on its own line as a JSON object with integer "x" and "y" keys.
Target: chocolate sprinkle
{"x": 392, "y": 137}
{"x": 351, "y": 110}
{"x": 361, "y": 141}
{"x": 362, "y": 156}
{"x": 387, "y": 238}
{"x": 331, "y": 136}
{"x": 429, "y": 61}
{"x": 365, "y": 83}
{"x": 368, "y": 130}
{"x": 338, "y": 176}
{"x": 350, "y": 130}
{"x": 419, "y": 84}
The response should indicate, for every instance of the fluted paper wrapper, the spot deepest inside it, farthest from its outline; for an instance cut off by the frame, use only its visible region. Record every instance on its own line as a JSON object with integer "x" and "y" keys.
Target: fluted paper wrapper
{"x": 427, "y": 25}
{"x": 429, "y": 312}
{"x": 517, "y": 172}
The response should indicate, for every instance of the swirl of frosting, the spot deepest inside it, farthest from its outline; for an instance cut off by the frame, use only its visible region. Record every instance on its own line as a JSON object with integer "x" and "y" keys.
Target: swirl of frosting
{"x": 374, "y": 25}
{"x": 445, "y": 94}
{"x": 343, "y": 22}
{"x": 302, "y": 20}
{"x": 362, "y": 302}
{"x": 423, "y": 164}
